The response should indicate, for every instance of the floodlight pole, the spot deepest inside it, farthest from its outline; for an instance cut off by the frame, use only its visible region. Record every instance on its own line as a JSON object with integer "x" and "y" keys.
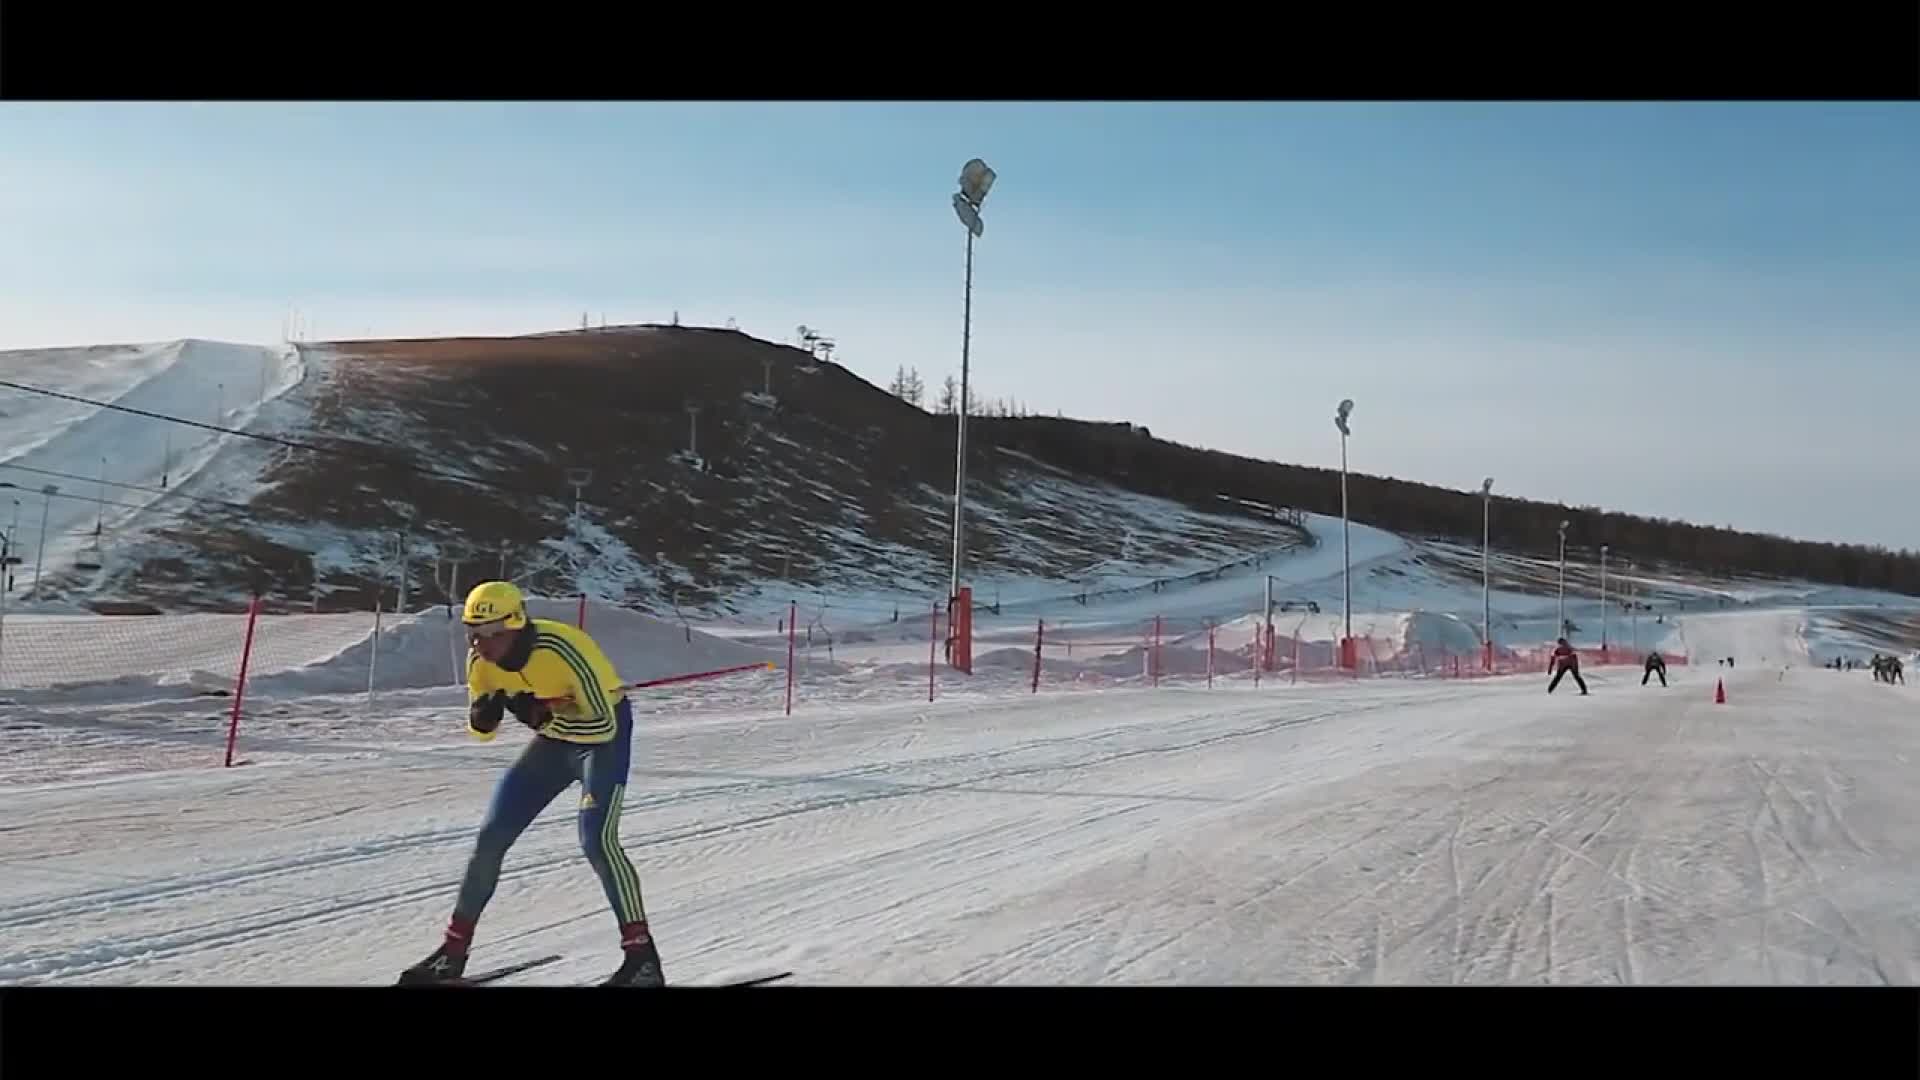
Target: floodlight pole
{"x": 1561, "y": 632}
{"x": 1486, "y": 578}
{"x": 6, "y": 563}
{"x": 960, "y": 435}
{"x": 976, "y": 179}
{"x": 1603, "y": 599}
{"x": 1346, "y": 541}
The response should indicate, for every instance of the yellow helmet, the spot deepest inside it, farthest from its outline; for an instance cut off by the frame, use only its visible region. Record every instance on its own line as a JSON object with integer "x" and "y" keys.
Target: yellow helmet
{"x": 495, "y": 601}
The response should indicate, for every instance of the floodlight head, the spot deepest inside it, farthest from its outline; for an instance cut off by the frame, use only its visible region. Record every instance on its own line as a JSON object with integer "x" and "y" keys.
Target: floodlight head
{"x": 968, "y": 215}
{"x": 1340, "y": 417}
{"x": 976, "y": 179}
{"x": 579, "y": 477}
{"x": 1486, "y": 486}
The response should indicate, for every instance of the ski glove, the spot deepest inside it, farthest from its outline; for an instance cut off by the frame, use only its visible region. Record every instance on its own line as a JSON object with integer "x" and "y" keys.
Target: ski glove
{"x": 528, "y": 709}
{"x": 483, "y": 716}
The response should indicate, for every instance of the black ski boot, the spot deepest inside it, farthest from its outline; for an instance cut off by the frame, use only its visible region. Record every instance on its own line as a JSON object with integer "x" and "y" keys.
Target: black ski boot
{"x": 442, "y": 968}
{"x": 640, "y": 968}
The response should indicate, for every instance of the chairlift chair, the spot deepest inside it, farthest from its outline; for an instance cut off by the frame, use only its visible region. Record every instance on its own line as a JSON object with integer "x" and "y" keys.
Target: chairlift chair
{"x": 91, "y": 556}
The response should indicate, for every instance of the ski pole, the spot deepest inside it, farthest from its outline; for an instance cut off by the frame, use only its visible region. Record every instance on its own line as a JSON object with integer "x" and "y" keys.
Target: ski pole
{"x": 689, "y": 677}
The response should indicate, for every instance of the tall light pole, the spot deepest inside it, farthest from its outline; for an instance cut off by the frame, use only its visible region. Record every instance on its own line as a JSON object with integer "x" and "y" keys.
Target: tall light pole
{"x": 1603, "y": 600}
{"x": 1486, "y": 578}
{"x": 1346, "y": 543}
{"x": 1633, "y": 607}
{"x": 7, "y": 541}
{"x": 1563, "y": 579}
{"x": 976, "y": 179}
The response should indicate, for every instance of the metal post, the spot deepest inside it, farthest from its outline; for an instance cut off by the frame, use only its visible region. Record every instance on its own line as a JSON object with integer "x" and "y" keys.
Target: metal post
{"x": 1633, "y": 606}
{"x": 976, "y": 179}
{"x": 1561, "y": 632}
{"x": 960, "y": 437}
{"x": 1346, "y": 543}
{"x": 1263, "y": 654}
{"x": 40, "y": 555}
{"x": 1486, "y": 577}
{"x": 1603, "y": 599}
{"x": 6, "y": 563}
{"x": 1340, "y": 415}
{"x": 400, "y": 570}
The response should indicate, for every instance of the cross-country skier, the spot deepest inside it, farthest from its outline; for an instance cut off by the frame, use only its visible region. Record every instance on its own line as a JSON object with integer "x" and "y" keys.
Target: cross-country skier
{"x": 1655, "y": 662}
{"x": 1565, "y": 662}
{"x": 554, "y": 679}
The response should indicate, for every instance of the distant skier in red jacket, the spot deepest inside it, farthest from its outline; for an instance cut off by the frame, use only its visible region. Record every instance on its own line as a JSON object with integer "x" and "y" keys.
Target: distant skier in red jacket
{"x": 1564, "y": 662}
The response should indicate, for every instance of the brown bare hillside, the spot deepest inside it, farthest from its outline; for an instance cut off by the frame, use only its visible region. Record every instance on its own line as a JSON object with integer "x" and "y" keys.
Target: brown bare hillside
{"x": 459, "y": 449}
{"x": 827, "y": 483}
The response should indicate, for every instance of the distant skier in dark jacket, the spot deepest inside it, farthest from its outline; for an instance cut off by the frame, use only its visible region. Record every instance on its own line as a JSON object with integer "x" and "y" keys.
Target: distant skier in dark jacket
{"x": 1886, "y": 669}
{"x": 1565, "y": 662}
{"x": 1655, "y": 663}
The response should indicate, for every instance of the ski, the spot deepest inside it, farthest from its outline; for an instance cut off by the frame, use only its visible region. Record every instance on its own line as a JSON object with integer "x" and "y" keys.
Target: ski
{"x": 757, "y": 980}
{"x": 752, "y": 980}
{"x": 481, "y": 978}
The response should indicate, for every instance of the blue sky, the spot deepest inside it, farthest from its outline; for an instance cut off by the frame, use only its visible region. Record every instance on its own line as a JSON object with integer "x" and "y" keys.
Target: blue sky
{"x": 1696, "y": 311}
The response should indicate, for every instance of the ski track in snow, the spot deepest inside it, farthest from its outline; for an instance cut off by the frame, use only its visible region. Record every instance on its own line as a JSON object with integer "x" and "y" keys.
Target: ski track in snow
{"x": 1405, "y": 832}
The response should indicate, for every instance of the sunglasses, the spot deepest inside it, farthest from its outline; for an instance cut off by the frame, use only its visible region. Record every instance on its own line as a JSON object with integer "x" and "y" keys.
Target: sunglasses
{"x": 477, "y": 634}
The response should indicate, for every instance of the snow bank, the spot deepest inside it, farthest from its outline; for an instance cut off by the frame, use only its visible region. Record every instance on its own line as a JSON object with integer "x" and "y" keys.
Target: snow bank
{"x": 104, "y": 657}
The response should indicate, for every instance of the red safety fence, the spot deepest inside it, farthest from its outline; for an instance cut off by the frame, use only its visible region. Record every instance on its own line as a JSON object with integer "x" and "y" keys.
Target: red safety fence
{"x": 805, "y": 655}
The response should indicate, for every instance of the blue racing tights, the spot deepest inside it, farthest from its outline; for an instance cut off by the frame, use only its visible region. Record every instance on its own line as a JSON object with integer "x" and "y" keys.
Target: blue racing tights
{"x": 545, "y": 769}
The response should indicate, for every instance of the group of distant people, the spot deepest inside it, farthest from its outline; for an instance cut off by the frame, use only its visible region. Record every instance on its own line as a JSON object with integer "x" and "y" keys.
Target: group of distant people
{"x": 1566, "y": 661}
{"x": 1886, "y": 668}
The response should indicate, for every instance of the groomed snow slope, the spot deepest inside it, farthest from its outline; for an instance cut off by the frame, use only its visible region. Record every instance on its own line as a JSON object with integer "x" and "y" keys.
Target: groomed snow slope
{"x": 209, "y": 382}
{"x": 1375, "y": 832}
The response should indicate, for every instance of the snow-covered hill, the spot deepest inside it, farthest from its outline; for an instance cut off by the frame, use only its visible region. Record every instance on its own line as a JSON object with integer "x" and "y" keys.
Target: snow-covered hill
{"x": 120, "y": 475}
{"x": 818, "y": 497}
{"x": 1116, "y": 823}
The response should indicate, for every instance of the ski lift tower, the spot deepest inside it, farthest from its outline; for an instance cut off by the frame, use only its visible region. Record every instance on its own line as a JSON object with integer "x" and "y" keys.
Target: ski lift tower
{"x": 578, "y": 479}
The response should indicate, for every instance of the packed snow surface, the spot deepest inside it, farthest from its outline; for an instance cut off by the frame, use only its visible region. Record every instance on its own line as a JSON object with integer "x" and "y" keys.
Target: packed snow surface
{"x": 1407, "y": 831}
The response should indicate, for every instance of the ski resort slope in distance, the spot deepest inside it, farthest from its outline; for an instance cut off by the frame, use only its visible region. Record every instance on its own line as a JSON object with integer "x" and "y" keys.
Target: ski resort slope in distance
{"x": 1376, "y": 831}
{"x": 108, "y": 463}
{"x": 1407, "y": 830}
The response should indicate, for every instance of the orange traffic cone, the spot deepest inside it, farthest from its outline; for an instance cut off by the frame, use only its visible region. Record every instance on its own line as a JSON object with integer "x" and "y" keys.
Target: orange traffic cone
{"x": 1719, "y": 691}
